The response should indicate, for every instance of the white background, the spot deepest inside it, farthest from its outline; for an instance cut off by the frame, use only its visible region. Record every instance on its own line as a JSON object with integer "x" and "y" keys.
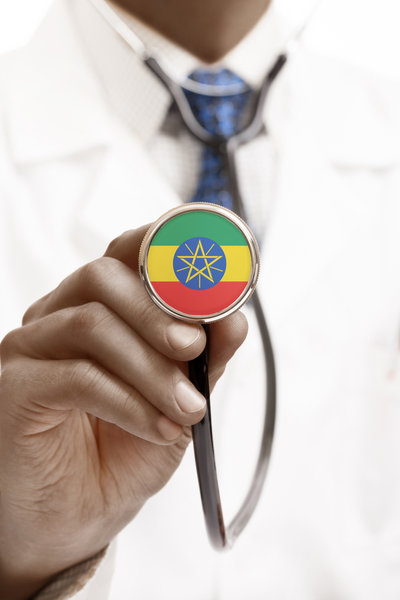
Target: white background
{"x": 365, "y": 32}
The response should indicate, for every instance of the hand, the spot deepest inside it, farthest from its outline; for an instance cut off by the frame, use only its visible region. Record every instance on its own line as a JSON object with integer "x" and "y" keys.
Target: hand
{"x": 95, "y": 414}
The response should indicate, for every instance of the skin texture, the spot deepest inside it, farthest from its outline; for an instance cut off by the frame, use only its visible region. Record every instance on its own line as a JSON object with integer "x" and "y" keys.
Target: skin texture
{"x": 95, "y": 414}
{"x": 206, "y": 28}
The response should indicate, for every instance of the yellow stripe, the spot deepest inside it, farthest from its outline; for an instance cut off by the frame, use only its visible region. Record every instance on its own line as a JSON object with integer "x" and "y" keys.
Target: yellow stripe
{"x": 238, "y": 263}
{"x": 160, "y": 263}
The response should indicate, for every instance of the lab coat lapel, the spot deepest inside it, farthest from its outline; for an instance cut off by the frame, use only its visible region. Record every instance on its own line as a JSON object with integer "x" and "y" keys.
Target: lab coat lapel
{"x": 54, "y": 106}
{"x": 315, "y": 213}
{"x": 57, "y": 110}
{"x": 128, "y": 192}
{"x": 309, "y": 226}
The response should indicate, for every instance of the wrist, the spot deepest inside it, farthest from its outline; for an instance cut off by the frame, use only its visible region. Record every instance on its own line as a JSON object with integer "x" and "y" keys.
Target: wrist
{"x": 18, "y": 586}
{"x": 32, "y": 557}
{"x": 17, "y": 583}
{"x": 26, "y": 565}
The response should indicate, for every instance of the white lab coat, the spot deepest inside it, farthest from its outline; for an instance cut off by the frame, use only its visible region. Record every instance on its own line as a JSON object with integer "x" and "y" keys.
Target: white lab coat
{"x": 73, "y": 177}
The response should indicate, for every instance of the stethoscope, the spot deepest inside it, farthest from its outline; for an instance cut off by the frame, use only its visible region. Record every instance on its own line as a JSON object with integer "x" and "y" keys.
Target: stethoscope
{"x": 220, "y": 535}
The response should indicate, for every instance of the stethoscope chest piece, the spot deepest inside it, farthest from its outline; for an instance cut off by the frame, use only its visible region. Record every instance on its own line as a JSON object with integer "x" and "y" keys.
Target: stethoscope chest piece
{"x": 199, "y": 262}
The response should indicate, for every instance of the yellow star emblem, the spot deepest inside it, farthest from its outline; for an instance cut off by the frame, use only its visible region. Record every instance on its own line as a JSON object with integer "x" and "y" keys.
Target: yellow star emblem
{"x": 209, "y": 261}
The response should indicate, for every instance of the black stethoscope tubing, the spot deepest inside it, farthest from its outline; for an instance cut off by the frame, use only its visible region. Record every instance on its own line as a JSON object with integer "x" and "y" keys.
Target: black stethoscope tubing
{"x": 220, "y": 535}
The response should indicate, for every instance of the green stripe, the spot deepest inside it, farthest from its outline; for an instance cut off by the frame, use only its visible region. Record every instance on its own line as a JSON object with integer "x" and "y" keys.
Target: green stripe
{"x": 202, "y": 224}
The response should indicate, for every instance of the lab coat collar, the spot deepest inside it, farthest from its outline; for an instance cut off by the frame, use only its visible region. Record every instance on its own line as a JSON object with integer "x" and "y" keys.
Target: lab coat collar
{"x": 352, "y": 113}
{"x": 58, "y": 89}
{"x": 123, "y": 73}
{"x": 133, "y": 91}
{"x": 56, "y": 106}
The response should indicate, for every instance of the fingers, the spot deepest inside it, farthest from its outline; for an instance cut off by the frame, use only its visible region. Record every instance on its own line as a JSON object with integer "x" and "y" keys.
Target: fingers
{"x": 46, "y": 391}
{"x": 94, "y": 332}
{"x": 103, "y": 313}
{"x": 110, "y": 282}
{"x": 126, "y": 247}
{"x": 226, "y": 336}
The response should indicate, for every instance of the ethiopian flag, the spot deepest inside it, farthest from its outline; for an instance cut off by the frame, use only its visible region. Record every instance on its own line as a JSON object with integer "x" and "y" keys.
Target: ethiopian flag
{"x": 199, "y": 263}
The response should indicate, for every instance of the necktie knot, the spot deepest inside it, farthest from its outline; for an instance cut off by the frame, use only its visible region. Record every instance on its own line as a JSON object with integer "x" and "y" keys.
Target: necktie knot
{"x": 222, "y": 115}
{"x": 219, "y": 114}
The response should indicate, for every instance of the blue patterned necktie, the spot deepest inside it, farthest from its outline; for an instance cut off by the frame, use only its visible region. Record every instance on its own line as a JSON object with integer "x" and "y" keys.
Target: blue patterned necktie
{"x": 219, "y": 115}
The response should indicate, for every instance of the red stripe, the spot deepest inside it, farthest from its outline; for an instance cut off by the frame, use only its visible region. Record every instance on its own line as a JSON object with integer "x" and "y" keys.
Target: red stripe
{"x": 199, "y": 302}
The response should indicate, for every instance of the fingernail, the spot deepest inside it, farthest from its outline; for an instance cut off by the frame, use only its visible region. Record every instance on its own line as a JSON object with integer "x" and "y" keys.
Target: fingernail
{"x": 188, "y": 399}
{"x": 181, "y": 336}
{"x": 168, "y": 429}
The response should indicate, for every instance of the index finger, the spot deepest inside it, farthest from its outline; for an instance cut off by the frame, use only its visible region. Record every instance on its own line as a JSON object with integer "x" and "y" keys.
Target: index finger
{"x": 126, "y": 246}
{"x": 114, "y": 282}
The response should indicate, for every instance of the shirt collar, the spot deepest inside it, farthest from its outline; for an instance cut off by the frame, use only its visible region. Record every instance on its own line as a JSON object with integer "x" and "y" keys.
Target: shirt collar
{"x": 135, "y": 93}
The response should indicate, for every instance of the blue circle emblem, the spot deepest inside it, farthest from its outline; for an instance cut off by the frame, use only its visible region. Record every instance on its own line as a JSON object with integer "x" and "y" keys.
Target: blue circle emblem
{"x": 199, "y": 263}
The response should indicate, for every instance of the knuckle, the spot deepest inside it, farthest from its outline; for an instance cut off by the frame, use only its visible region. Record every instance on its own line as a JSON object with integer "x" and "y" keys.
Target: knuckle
{"x": 9, "y": 344}
{"x": 35, "y": 311}
{"x": 95, "y": 274}
{"x": 128, "y": 406}
{"x": 85, "y": 319}
{"x": 147, "y": 311}
{"x": 30, "y": 314}
{"x": 90, "y": 274}
{"x": 8, "y": 373}
{"x": 115, "y": 244}
{"x": 17, "y": 388}
{"x": 80, "y": 377}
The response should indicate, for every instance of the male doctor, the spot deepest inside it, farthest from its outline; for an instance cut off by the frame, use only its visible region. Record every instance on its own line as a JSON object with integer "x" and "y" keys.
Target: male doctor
{"x": 96, "y": 407}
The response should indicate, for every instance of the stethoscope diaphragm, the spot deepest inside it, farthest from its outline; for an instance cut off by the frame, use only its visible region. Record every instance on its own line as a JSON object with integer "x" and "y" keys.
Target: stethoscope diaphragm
{"x": 199, "y": 262}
